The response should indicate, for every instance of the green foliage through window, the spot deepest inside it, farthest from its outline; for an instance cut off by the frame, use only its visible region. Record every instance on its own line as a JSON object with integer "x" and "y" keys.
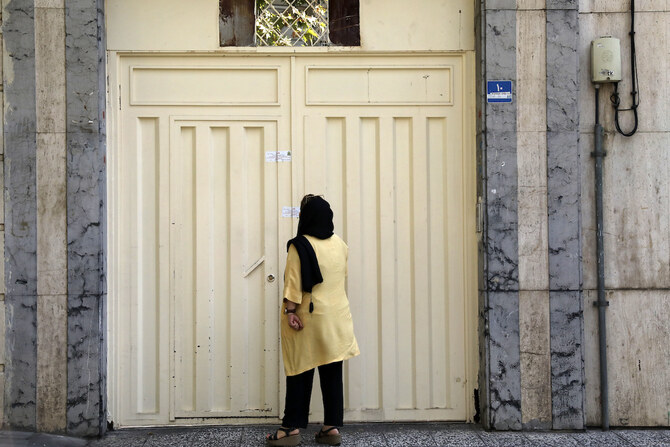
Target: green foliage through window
{"x": 291, "y": 22}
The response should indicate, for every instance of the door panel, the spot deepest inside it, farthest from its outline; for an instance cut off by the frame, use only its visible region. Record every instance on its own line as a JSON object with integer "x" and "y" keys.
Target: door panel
{"x": 224, "y": 219}
{"x": 389, "y": 154}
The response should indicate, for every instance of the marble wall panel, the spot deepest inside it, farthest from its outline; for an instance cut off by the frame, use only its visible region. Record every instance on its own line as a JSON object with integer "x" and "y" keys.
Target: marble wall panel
{"x": 51, "y": 214}
{"x": 502, "y": 234}
{"x": 637, "y": 213}
{"x": 84, "y": 52}
{"x": 532, "y": 150}
{"x": 50, "y": 69}
{"x": 500, "y": 5}
{"x": 564, "y": 215}
{"x": 531, "y": 4}
{"x": 501, "y": 194}
{"x": 20, "y": 213}
{"x": 85, "y": 242}
{"x": 82, "y": 62}
{"x": 504, "y": 362}
{"x": 484, "y": 358}
{"x": 21, "y": 361}
{"x": 501, "y": 65}
{"x": 620, "y": 6}
{"x": 563, "y": 164}
{"x": 2, "y": 113}
{"x": 535, "y": 359}
{"x": 567, "y": 360}
{"x": 562, "y": 70}
{"x": 502, "y": 375}
{"x": 563, "y": 4}
{"x": 50, "y": 4}
{"x": 532, "y": 211}
{"x": 2, "y": 394}
{"x": 20, "y": 145}
{"x": 85, "y": 340}
{"x": 564, "y": 196}
{"x": 533, "y": 255}
{"x": 639, "y": 390}
{"x": 2, "y": 55}
{"x": 532, "y": 159}
{"x": 2, "y": 335}
{"x": 531, "y": 71}
{"x": 2, "y": 359}
{"x": 51, "y": 362}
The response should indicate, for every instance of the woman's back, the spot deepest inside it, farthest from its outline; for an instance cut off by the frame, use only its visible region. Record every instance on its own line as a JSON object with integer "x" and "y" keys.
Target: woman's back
{"x": 328, "y": 334}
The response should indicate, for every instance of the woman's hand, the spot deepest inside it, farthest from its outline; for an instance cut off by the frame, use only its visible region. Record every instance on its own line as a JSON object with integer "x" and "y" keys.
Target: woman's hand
{"x": 294, "y": 322}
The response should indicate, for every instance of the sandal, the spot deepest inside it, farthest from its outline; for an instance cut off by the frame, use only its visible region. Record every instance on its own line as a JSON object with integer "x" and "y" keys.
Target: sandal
{"x": 288, "y": 440}
{"x": 322, "y": 437}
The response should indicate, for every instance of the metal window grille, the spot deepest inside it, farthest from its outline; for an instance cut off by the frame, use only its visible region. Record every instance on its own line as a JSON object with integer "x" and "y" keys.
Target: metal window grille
{"x": 294, "y": 23}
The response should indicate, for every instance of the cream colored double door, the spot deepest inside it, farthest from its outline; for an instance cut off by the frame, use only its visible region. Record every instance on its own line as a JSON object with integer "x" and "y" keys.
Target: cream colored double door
{"x": 209, "y": 154}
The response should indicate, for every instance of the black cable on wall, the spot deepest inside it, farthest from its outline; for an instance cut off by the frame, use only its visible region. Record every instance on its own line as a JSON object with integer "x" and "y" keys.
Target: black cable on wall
{"x": 616, "y": 100}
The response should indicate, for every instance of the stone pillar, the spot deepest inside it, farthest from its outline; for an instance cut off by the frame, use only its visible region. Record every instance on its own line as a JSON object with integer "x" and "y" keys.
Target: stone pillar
{"x": 51, "y": 231}
{"x": 20, "y": 143}
{"x": 54, "y": 379}
{"x": 501, "y": 399}
{"x": 86, "y": 200}
{"x": 2, "y": 232}
{"x": 532, "y": 206}
{"x": 564, "y": 215}
{"x": 532, "y": 335}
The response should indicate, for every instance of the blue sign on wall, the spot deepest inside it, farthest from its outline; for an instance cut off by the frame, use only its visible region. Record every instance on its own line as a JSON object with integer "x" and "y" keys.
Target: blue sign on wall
{"x": 498, "y": 91}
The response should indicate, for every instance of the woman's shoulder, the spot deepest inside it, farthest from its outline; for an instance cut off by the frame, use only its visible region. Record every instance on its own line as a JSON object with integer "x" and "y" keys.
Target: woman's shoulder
{"x": 336, "y": 238}
{"x": 333, "y": 241}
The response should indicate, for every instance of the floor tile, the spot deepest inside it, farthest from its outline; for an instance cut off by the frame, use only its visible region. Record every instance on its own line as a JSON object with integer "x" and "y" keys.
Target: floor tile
{"x": 549, "y": 439}
{"x": 457, "y": 438}
{"x": 646, "y": 438}
{"x": 594, "y": 438}
{"x": 504, "y": 439}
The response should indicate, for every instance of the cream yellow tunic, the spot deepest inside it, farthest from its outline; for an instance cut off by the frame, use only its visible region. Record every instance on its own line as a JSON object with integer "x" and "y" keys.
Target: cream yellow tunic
{"x": 328, "y": 333}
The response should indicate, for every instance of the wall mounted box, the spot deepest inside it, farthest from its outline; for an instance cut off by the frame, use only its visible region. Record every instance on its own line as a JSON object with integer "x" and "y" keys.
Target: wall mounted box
{"x": 605, "y": 60}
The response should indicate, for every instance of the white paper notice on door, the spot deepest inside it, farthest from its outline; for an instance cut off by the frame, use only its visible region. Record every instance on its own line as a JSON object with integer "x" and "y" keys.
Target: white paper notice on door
{"x": 290, "y": 211}
{"x": 277, "y": 156}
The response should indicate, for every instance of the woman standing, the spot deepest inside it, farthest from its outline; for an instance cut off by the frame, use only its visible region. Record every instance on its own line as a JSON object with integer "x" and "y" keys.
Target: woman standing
{"x": 316, "y": 325}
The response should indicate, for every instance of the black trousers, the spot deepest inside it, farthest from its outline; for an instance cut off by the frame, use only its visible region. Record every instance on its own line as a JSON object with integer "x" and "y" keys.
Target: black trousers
{"x": 299, "y": 392}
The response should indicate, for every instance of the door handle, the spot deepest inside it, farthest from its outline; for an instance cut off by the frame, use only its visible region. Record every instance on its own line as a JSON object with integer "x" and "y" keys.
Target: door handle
{"x": 253, "y": 267}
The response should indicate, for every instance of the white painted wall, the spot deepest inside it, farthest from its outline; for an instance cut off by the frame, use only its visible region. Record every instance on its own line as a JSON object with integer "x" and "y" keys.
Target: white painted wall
{"x": 385, "y": 25}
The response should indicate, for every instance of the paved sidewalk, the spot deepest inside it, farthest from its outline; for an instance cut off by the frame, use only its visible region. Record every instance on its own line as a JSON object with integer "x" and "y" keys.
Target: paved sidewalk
{"x": 363, "y": 435}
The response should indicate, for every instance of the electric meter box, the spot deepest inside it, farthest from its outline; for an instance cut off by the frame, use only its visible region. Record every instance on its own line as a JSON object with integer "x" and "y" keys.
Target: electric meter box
{"x": 606, "y": 60}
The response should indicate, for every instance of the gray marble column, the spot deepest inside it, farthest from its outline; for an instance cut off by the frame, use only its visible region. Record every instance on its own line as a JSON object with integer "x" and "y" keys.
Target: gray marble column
{"x": 564, "y": 212}
{"x": 502, "y": 403}
{"x": 20, "y": 126}
{"x": 84, "y": 52}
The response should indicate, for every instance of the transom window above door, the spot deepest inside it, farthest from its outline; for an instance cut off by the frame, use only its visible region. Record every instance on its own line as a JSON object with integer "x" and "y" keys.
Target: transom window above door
{"x": 292, "y": 23}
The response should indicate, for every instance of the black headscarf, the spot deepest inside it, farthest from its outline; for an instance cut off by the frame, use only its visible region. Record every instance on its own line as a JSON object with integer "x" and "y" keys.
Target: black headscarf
{"x": 316, "y": 219}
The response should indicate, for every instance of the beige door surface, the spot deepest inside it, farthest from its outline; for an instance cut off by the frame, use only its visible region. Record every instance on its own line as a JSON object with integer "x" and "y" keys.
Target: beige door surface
{"x": 223, "y": 210}
{"x": 385, "y": 140}
{"x": 200, "y": 212}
